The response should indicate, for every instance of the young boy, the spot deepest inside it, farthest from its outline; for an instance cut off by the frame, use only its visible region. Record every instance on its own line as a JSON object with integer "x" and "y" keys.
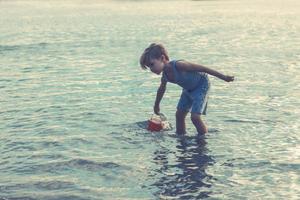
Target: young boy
{"x": 191, "y": 77}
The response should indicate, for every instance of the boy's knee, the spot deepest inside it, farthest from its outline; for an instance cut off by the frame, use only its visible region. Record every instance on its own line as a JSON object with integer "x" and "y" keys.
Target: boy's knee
{"x": 180, "y": 114}
{"x": 195, "y": 117}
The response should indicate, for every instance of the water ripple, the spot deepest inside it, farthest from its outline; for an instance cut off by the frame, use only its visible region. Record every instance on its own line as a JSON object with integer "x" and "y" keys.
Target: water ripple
{"x": 82, "y": 164}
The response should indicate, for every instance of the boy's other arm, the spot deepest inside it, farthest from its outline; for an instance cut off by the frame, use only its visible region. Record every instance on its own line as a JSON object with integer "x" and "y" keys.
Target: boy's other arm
{"x": 159, "y": 95}
{"x": 187, "y": 66}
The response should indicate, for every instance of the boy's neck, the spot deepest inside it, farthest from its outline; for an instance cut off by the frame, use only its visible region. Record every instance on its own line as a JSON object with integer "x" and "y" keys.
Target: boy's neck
{"x": 166, "y": 65}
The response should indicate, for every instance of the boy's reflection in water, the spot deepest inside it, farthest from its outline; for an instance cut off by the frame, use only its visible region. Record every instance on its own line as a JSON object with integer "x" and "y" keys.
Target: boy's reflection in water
{"x": 184, "y": 176}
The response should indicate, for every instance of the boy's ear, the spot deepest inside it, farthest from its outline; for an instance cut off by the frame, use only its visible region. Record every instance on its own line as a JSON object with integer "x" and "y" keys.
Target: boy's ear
{"x": 163, "y": 57}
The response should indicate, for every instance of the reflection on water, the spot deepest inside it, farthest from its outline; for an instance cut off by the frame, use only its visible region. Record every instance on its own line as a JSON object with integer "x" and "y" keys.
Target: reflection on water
{"x": 184, "y": 176}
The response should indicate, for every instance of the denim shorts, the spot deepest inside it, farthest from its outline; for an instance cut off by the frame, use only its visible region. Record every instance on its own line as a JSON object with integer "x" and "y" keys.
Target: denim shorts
{"x": 195, "y": 100}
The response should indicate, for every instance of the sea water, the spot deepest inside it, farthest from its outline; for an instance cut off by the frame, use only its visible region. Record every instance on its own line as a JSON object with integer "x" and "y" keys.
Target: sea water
{"x": 74, "y": 101}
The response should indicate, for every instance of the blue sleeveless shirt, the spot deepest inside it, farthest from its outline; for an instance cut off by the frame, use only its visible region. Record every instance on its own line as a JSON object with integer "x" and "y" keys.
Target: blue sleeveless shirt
{"x": 188, "y": 80}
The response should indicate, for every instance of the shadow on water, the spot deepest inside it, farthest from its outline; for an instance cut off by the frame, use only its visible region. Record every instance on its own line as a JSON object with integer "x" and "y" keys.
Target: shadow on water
{"x": 183, "y": 172}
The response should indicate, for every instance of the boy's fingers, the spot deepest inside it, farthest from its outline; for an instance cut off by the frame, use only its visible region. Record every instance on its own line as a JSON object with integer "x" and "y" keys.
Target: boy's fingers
{"x": 230, "y": 78}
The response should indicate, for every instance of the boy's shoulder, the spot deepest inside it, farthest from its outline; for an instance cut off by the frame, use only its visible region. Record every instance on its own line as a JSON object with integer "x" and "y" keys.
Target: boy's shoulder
{"x": 181, "y": 64}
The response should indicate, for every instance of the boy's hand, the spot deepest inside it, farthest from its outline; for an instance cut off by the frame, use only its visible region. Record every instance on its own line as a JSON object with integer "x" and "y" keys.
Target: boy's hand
{"x": 156, "y": 109}
{"x": 228, "y": 78}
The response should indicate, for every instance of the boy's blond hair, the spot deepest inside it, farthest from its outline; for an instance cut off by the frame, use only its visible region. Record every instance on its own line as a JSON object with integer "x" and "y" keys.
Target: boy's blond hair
{"x": 154, "y": 51}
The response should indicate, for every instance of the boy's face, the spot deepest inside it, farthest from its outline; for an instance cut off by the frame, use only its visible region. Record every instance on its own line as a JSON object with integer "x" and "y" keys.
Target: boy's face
{"x": 156, "y": 65}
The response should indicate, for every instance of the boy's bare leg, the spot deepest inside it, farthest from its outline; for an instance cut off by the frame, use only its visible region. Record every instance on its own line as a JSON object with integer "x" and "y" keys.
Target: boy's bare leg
{"x": 180, "y": 122}
{"x": 198, "y": 123}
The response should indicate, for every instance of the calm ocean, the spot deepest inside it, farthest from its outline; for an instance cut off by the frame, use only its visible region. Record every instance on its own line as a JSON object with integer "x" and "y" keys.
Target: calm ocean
{"x": 74, "y": 101}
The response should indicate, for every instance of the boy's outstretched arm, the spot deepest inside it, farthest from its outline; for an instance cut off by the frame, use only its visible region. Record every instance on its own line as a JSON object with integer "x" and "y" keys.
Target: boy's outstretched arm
{"x": 160, "y": 93}
{"x": 187, "y": 66}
